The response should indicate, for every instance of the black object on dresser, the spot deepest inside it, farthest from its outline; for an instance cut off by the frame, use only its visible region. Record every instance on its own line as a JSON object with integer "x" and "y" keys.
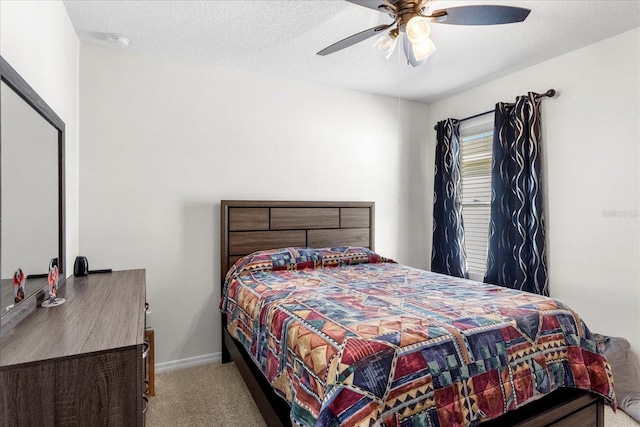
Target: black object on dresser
{"x": 80, "y": 363}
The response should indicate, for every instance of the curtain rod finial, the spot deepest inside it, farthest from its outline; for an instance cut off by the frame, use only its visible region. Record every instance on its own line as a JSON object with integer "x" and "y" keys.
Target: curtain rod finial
{"x": 550, "y": 93}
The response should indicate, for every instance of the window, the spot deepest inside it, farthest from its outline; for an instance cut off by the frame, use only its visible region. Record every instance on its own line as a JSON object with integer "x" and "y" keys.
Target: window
{"x": 476, "y": 138}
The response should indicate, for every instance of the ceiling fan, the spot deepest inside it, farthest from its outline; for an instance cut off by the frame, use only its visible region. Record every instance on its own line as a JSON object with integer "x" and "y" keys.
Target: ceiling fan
{"x": 409, "y": 19}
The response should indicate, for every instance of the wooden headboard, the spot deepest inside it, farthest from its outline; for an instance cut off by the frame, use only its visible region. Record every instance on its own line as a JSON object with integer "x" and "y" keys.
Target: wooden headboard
{"x": 250, "y": 225}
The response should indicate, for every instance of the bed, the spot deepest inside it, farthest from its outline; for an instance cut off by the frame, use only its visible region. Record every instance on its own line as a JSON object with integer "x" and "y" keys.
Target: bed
{"x": 364, "y": 365}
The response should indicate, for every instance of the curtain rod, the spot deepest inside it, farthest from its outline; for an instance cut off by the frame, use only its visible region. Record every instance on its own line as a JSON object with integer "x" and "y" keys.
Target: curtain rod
{"x": 550, "y": 93}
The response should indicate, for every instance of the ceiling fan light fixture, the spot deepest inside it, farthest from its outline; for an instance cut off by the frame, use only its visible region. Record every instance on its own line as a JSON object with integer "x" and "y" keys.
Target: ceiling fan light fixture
{"x": 418, "y": 29}
{"x": 386, "y": 43}
{"x": 413, "y": 18}
{"x": 423, "y": 50}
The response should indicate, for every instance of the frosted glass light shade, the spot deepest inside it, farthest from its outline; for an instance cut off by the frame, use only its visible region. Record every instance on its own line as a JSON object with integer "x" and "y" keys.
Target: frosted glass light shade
{"x": 418, "y": 29}
{"x": 423, "y": 50}
{"x": 386, "y": 44}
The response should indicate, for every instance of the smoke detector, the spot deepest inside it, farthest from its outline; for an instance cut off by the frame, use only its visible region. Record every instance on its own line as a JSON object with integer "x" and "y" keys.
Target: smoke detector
{"x": 118, "y": 40}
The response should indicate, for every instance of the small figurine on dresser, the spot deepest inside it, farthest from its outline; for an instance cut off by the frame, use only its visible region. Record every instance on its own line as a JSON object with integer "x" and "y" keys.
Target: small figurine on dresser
{"x": 52, "y": 283}
{"x": 18, "y": 288}
{"x": 18, "y": 285}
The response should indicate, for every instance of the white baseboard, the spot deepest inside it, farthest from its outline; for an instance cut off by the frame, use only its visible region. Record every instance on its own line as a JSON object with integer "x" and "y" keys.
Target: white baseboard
{"x": 188, "y": 362}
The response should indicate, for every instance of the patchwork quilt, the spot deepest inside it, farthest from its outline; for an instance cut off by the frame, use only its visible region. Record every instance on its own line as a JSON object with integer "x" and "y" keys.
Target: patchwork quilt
{"x": 351, "y": 338}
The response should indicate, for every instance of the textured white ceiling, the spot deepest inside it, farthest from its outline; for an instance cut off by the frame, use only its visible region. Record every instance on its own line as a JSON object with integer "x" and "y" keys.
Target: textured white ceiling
{"x": 282, "y": 37}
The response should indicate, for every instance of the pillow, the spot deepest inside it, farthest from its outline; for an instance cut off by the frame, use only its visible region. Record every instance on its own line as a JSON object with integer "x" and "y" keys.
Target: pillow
{"x": 279, "y": 259}
{"x": 625, "y": 367}
{"x": 631, "y": 405}
{"x": 349, "y": 255}
{"x": 300, "y": 258}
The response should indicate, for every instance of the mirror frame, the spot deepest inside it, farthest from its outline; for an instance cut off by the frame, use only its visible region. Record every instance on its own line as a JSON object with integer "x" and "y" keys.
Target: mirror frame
{"x": 12, "y": 79}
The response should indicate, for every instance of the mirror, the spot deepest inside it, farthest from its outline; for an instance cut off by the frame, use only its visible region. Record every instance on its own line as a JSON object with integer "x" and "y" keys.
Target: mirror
{"x": 31, "y": 187}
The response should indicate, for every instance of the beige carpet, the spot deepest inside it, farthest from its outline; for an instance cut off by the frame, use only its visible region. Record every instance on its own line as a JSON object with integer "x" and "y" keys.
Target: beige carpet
{"x": 215, "y": 395}
{"x": 208, "y": 395}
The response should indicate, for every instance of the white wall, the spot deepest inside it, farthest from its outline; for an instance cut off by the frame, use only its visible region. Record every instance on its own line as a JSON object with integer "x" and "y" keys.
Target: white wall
{"x": 591, "y": 137}
{"x": 39, "y": 42}
{"x": 163, "y": 141}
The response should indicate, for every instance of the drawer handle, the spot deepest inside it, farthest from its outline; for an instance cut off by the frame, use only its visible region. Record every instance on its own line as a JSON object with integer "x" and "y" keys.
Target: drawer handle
{"x": 146, "y": 404}
{"x": 145, "y": 349}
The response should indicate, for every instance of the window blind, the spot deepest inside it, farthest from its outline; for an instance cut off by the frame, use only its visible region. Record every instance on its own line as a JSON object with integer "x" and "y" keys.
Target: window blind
{"x": 475, "y": 153}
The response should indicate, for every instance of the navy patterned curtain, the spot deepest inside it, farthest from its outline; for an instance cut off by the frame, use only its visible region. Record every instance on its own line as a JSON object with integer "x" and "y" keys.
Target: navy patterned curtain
{"x": 448, "y": 255}
{"x": 516, "y": 256}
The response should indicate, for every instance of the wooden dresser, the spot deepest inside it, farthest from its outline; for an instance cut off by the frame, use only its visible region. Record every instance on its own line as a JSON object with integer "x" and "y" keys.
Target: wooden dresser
{"x": 80, "y": 363}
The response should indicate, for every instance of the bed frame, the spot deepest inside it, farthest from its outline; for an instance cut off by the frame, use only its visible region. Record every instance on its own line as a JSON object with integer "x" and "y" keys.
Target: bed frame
{"x": 248, "y": 226}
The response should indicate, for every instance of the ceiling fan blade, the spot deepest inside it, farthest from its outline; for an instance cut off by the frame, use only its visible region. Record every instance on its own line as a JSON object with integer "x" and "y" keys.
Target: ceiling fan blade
{"x": 408, "y": 52}
{"x": 351, "y": 40}
{"x": 381, "y": 5}
{"x": 480, "y": 15}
